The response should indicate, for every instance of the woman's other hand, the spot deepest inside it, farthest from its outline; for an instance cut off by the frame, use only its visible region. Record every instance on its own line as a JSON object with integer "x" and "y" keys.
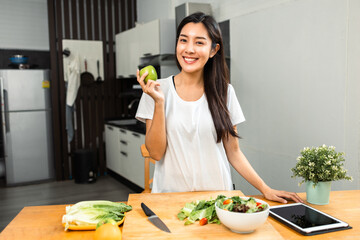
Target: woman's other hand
{"x": 281, "y": 196}
{"x": 152, "y": 88}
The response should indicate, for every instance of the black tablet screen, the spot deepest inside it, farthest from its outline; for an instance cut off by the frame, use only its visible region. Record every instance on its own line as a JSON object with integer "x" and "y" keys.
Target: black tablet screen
{"x": 302, "y": 216}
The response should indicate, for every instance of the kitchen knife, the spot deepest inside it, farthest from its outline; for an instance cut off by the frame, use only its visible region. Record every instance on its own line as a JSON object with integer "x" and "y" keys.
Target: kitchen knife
{"x": 154, "y": 219}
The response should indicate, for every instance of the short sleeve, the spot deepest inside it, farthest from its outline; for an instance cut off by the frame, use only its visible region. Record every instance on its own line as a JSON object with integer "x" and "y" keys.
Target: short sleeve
{"x": 236, "y": 114}
{"x": 145, "y": 109}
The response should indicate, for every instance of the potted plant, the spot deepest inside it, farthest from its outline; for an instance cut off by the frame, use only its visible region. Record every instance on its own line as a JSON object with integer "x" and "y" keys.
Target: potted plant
{"x": 319, "y": 166}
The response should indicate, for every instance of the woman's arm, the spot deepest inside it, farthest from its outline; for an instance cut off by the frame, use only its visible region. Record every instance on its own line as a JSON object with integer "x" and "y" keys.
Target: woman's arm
{"x": 243, "y": 167}
{"x": 155, "y": 138}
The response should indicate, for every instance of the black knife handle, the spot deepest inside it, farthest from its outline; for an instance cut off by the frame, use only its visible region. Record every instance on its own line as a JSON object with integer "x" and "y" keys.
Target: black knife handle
{"x": 147, "y": 210}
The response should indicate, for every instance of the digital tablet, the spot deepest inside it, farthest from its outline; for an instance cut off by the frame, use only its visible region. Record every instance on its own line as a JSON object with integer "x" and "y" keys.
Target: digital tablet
{"x": 306, "y": 220}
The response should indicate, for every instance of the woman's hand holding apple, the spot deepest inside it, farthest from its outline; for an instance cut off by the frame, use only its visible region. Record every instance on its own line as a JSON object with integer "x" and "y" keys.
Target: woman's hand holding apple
{"x": 152, "y": 88}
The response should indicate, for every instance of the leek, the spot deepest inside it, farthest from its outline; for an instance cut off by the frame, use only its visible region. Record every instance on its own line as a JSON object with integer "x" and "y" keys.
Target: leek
{"x": 92, "y": 212}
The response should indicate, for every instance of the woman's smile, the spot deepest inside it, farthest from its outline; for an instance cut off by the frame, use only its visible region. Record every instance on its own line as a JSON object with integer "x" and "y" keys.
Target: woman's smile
{"x": 190, "y": 60}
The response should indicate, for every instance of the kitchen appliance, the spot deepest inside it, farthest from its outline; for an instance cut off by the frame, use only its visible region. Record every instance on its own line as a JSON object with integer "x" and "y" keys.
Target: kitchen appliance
{"x": 189, "y": 8}
{"x": 19, "y": 62}
{"x": 27, "y": 128}
{"x": 19, "y": 59}
{"x": 154, "y": 219}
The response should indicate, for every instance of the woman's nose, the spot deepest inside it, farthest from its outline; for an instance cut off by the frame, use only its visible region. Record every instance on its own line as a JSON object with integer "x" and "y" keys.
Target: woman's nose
{"x": 189, "y": 48}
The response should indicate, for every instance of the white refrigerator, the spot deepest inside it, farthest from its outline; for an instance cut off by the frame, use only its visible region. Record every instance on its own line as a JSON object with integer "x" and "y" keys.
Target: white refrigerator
{"x": 26, "y": 126}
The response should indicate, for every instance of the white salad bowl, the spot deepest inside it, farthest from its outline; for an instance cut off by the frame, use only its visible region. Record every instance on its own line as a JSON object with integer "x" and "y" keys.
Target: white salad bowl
{"x": 243, "y": 222}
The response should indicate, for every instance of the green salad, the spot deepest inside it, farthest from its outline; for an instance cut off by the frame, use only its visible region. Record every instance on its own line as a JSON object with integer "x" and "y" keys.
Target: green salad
{"x": 238, "y": 204}
{"x": 204, "y": 211}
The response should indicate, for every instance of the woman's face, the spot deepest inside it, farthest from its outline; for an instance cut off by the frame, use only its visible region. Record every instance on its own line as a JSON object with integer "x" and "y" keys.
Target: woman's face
{"x": 194, "y": 47}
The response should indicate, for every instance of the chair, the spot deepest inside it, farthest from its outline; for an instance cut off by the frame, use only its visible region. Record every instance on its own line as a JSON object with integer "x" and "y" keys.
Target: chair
{"x": 147, "y": 160}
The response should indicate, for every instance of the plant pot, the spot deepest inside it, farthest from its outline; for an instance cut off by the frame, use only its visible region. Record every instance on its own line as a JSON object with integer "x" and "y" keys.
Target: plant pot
{"x": 319, "y": 194}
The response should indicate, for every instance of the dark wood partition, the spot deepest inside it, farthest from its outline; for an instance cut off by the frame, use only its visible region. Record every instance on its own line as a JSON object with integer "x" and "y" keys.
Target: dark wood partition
{"x": 95, "y": 102}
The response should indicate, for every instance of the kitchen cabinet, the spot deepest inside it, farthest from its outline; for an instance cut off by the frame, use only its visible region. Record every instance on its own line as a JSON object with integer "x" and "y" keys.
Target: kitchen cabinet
{"x": 157, "y": 37}
{"x": 148, "y": 39}
{"x": 123, "y": 155}
{"x": 127, "y": 53}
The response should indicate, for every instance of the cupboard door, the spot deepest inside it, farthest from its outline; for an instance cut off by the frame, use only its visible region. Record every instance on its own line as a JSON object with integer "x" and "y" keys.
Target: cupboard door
{"x": 112, "y": 148}
{"x": 136, "y": 160}
{"x": 121, "y": 51}
{"x": 133, "y": 52}
{"x": 127, "y": 53}
{"x": 149, "y": 35}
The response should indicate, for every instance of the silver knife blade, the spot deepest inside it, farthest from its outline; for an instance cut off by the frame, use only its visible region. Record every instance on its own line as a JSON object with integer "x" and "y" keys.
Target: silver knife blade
{"x": 154, "y": 219}
{"x": 158, "y": 223}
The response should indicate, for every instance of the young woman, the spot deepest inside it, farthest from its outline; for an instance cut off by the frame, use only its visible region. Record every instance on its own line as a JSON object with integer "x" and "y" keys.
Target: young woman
{"x": 191, "y": 118}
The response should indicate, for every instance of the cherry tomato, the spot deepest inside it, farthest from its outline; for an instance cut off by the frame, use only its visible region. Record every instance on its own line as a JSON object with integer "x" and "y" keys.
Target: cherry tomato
{"x": 227, "y": 201}
{"x": 203, "y": 221}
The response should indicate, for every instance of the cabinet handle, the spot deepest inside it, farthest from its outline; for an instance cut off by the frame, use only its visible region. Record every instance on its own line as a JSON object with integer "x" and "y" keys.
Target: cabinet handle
{"x": 136, "y": 135}
{"x": 110, "y": 128}
{"x": 123, "y": 153}
{"x": 123, "y": 131}
{"x": 123, "y": 142}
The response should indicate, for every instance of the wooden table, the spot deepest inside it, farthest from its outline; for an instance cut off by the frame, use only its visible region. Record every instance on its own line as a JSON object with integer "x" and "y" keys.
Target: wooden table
{"x": 343, "y": 205}
{"x": 167, "y": 205}
{"x": 44, "y": 222}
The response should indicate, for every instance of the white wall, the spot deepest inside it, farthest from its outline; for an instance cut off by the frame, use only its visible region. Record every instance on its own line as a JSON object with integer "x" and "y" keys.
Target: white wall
{"x": 295, "y": 67}
{"x": 291, "y": 64}
{"x": 24, "y": 24}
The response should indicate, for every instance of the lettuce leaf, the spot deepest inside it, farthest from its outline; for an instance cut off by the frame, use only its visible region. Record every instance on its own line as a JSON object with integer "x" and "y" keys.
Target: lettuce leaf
{"x": 200, "y": 209}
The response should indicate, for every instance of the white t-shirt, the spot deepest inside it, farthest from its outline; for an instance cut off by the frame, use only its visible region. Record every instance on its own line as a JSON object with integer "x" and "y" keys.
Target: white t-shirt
{"x": 193, "y": 161}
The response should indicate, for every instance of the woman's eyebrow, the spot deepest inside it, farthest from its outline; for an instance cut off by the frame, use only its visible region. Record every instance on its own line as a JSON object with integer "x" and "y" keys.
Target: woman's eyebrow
{"x": 184, "y": 35}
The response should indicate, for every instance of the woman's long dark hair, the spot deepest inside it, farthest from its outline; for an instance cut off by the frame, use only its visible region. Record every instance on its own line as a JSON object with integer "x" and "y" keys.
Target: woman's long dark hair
{"x": 216, "y": 75}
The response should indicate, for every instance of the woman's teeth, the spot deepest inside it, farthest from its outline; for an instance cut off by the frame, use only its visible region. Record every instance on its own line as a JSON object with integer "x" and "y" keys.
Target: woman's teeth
{"x": 190, "y": 59}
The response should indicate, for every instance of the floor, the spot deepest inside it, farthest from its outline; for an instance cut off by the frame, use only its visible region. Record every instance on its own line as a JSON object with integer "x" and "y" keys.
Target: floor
{"x": 13, "y": 199}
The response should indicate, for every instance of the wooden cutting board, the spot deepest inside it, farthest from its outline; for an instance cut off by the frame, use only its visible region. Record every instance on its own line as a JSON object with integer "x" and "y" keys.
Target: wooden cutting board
{"x": 167, "y": 205}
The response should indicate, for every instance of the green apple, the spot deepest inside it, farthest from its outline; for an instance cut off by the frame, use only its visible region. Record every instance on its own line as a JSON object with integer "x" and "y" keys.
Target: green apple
{"x": 152, "y": 73}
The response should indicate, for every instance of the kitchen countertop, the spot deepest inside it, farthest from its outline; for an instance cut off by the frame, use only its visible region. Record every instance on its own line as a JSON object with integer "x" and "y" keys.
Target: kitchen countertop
{"x": 44, "y": 222}
{"x": 128, "y": 124}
